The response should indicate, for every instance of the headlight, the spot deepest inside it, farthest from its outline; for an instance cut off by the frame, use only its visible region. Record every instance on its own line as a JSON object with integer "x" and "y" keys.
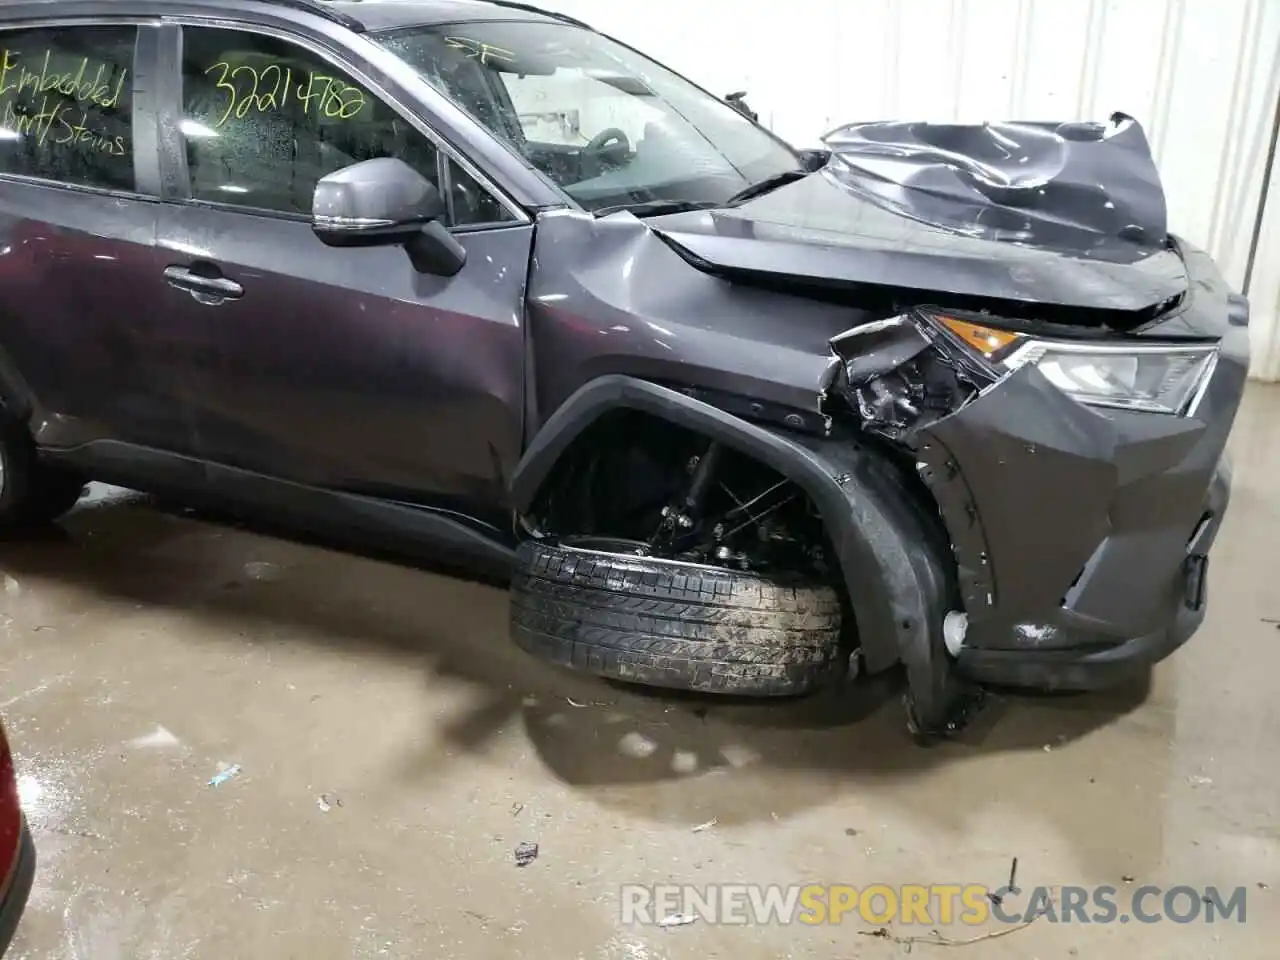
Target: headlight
{"x": 1158, "y": 378}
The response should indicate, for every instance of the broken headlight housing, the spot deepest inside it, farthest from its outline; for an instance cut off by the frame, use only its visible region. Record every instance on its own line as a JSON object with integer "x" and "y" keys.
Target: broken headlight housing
{"x": 1167, "y": 378}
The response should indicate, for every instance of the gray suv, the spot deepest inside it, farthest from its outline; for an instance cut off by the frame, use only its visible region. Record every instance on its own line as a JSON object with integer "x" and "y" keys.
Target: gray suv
{"x": 470, "y": 281}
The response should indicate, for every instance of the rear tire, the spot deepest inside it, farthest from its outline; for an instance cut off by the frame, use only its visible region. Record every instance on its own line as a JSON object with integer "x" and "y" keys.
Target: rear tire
{"x": 590, "y": 605}
{"x": 31, "y": 493}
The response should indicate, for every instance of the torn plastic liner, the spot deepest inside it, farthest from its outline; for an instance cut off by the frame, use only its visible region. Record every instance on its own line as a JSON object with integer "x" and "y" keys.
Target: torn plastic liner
{"x": 1089, "y": 188}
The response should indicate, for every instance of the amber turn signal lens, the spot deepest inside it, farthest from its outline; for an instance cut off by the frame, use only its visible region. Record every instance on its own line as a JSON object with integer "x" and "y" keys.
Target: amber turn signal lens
{"x": 986, "y": 340}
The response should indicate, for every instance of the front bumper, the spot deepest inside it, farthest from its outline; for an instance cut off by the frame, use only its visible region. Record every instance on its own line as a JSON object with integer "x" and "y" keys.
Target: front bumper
{"x": 1087, "y": 653}
{"x": 1081, "y": 536}
{"x": 13, "y": 900}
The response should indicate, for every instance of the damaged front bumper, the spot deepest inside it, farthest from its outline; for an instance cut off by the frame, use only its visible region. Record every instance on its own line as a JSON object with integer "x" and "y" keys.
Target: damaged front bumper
{"x": 1082, "y": 549}
{"x": 1080, "y": 534}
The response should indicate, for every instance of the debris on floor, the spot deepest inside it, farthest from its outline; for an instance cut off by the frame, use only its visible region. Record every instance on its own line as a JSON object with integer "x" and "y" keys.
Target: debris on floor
{"x": 327, "y": 801}
{"x": 159, "y": 737}
{"x": 738, "y": 756}
{"x": 589, "y": 703}
{"x": 526, "y": 853}
{"x": 516, "y": 808}
{"x": 684, "y": 762}
{"x": 636, "y": 746}
{"x": 1011, "y": 887}
{"x": 938, "y": 940}
{"x": 262, "y": 570}
{"x": 677, "y": 920}
{"x": 706, "y": 826}
{"x": 224, "y": 774}
{"x": 1200, "y": 781}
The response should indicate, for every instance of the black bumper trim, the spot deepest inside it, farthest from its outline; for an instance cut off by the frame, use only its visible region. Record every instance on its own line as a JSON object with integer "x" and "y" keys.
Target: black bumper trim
{"x": 1087, "y": 669}
{"x": 15, "y": 901}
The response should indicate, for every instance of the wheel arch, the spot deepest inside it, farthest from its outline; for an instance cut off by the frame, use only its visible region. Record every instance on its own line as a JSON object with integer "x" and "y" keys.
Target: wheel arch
{"x": 896, "y": 579}
{"x": 16, "y": 398}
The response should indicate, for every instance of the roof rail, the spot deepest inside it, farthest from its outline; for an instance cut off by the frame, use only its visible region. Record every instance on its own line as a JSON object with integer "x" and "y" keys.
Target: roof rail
{"x": 530, "y": 8}
{"x": 322, "y": 9}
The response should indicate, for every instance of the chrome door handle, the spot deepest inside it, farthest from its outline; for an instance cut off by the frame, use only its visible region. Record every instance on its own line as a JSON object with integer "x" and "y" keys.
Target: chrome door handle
{"x": 209, "y": 290}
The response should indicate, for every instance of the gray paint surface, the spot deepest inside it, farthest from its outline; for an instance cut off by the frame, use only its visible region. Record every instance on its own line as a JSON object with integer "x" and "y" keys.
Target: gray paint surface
{"x": 349, "y": 372}
{"x": 820, "y": 230}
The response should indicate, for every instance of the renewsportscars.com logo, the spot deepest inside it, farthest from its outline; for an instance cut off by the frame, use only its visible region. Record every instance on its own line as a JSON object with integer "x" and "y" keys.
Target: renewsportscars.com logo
{"x": 927, "y": 904}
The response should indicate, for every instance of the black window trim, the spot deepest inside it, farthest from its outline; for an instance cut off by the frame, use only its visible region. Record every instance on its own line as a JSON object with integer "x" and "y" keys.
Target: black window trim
{"x": 142, "y": 119}
{"x": 173, "y": 158}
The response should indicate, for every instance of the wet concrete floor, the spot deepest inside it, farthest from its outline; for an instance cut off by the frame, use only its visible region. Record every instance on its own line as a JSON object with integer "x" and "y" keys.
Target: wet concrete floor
{"x": 393, "y": 749}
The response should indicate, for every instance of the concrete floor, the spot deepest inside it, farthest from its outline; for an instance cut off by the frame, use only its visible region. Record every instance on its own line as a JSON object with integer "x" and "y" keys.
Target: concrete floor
{"x": 143, "y": 650}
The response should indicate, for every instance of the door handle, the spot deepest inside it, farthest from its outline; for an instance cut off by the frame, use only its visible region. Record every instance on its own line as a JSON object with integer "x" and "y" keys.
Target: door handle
{"x": 205, "y": 289}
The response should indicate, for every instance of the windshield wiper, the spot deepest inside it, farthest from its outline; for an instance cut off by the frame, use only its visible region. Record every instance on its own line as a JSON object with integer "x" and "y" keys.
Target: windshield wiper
{"x": 654, "y": 208}
{"x": 768, "y": 183}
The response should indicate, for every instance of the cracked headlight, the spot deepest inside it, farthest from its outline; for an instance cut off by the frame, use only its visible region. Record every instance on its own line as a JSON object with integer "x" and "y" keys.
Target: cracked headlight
{"x": 1163, "y": 378}
{"x": 1154, "y": 377}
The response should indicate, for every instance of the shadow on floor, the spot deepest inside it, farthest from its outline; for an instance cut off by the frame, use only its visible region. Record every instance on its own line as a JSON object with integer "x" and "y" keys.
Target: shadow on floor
{"x": 608, "y": 740}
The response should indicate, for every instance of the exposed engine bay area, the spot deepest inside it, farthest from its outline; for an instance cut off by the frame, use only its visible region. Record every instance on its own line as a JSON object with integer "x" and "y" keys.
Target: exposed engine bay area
{"x": 898, "y": 375}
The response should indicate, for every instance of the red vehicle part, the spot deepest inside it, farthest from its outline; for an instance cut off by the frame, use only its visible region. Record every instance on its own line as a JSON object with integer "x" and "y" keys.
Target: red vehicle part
{"x": 17, "y": 855}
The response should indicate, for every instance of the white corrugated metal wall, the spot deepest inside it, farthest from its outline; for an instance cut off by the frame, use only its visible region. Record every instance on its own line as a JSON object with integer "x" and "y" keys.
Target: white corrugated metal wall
{"x": 1202, "y": 76}
{"x": 1264, "y": 290}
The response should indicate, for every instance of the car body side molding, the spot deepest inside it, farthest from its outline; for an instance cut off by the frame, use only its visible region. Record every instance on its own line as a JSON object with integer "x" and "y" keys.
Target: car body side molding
{"x": 392, "y": 527}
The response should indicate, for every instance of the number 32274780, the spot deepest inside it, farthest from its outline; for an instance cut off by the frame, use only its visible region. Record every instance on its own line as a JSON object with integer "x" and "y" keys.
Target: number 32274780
{"x": 249, "y": 90}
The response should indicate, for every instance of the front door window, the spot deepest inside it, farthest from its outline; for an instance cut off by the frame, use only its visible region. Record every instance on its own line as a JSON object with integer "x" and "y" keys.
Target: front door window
{"x": 265, "y": 119}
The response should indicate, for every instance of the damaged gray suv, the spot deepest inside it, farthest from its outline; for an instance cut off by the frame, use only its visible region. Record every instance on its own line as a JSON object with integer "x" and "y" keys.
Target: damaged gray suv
{"x": 470, "y": 281}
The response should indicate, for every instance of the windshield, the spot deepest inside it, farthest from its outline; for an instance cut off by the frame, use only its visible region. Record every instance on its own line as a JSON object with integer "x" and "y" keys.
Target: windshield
{"x": 611, "y": 127}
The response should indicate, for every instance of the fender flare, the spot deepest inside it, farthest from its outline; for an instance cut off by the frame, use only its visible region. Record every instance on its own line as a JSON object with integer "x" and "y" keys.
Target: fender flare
{"x": 892, "y": 567}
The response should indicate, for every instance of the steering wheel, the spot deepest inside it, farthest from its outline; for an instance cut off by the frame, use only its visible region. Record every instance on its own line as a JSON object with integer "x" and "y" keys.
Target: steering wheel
{"x": 609, "y": 144}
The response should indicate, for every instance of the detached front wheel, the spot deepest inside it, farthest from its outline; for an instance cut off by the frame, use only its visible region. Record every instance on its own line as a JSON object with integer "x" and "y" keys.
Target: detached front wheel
{"x": 600, "y": 606}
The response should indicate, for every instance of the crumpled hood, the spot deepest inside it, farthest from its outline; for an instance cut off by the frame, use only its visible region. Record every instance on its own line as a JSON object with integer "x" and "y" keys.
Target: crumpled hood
{"x": 1068, "y": 214}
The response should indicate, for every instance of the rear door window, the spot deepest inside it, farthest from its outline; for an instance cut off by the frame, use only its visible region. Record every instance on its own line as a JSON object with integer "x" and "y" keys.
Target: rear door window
{"x": 66, "y": 101}
{"x": 264, "y": 119}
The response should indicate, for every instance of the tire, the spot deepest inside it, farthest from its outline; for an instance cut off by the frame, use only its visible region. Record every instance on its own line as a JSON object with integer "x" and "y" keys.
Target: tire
{"x": 31, "y": 494}
{"x": 589, "y": 605}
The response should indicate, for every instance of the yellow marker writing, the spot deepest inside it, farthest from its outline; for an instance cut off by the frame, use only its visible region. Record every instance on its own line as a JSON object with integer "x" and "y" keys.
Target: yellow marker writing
{"x": 248, "y": 90}
{"x": 475, "y": 50}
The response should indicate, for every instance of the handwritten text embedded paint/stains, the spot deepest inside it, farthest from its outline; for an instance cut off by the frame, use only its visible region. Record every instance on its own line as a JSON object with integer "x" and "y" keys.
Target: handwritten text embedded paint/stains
{"x": 250, "y": 90}
{"x": 54, "y": 105}
{"x": 484, "y": 52}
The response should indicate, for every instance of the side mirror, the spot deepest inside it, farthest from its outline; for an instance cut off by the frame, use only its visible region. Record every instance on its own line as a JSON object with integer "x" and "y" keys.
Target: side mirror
{"x": 814, "y": 160}
{"x": 385, "y": 202}
{"x": 738, "y": 101}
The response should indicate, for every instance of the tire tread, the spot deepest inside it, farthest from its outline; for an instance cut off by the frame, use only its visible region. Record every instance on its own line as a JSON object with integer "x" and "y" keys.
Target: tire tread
{"x": 669, "y": 624}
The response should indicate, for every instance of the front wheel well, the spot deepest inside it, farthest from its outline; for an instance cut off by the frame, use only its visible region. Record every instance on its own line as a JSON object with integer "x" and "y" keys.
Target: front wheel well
{"x": 627, "y": 475}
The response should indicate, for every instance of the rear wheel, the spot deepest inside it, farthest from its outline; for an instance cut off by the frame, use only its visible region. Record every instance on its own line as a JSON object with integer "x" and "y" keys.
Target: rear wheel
{"x": 603, "y": 606}
{"x": 31, "y": 493}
